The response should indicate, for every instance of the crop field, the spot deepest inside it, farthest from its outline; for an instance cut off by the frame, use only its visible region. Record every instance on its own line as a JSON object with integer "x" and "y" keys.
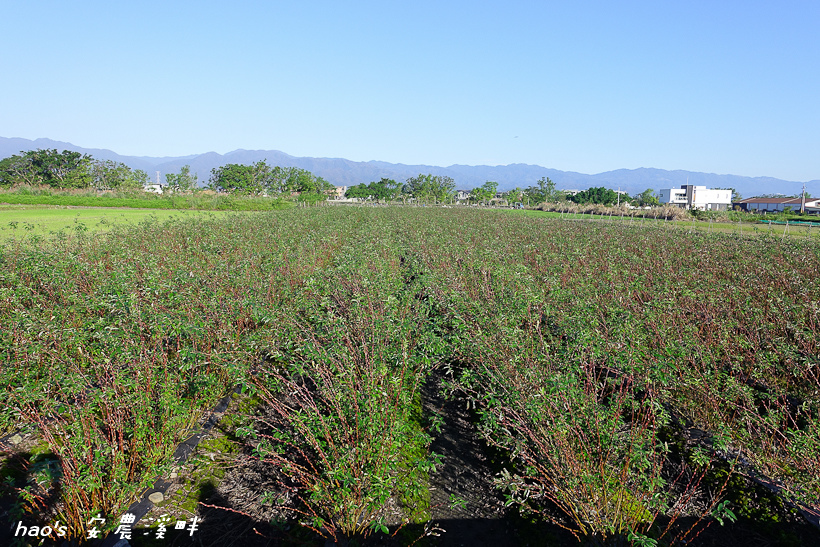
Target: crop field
{"x": 746, "y": 228}
{"x": 391, "y": 376}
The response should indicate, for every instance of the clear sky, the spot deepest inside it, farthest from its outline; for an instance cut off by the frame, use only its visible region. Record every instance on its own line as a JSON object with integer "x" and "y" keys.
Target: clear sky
{"x": 729, "y": 87}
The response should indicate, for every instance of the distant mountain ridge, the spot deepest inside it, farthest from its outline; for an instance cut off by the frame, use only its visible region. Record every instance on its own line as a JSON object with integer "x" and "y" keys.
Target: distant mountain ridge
{"x": 342, "y": 172}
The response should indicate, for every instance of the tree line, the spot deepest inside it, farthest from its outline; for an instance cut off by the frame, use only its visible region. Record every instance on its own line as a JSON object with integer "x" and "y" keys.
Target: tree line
{"x": 442, "y": 189}
{"x": 261, "y": 179}
{"x": 422, "y": 187}
{"x": 74, "y": 170}
{"x": 68, "y": 170}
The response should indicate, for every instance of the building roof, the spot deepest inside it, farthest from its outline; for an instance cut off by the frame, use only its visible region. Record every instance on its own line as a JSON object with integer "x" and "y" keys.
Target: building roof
{"x": 773, "y": 200}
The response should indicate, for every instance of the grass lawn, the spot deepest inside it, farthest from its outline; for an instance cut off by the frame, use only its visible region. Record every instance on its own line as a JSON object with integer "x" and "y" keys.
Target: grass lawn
{"x": 22, "y": 220}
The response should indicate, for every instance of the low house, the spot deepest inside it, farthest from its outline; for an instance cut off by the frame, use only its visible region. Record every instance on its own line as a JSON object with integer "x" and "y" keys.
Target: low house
{"x": 155, "y": 188}
{"x": 778, "y": 205}
{"x": 690, "y": 196}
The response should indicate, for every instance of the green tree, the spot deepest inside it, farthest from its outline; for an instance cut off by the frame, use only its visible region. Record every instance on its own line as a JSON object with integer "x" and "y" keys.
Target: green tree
{"x": 141, "y": 177}
{"x": 647, "y": 197}
{"x": 359, "y": 191}
{"x": 282, "y": 180}
{"x": 384, "y": 189}
{"x": 66, "y": 169}
{"x": 182, "y": 182}
{"x": 255, "y": 179}
{"x": 484, "y": 193}
{"x": 18, "y": 170}
{"x": 516, "y": 195}
{"x": 293, "y": 180}
{"x": 543, "y": 192}
{"x": 261, "y": 178}
{"x": 113, "y": 175}
{"x": 308, "y": 183}
{"x": 598, "y": 195}
{"x": 425, "y": 187}
{"x": 477, "y": 195}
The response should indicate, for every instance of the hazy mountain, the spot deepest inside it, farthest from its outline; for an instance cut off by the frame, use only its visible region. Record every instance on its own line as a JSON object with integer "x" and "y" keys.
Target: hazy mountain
{"x": 10, "y": 147}
{"x": 341, "y": 172}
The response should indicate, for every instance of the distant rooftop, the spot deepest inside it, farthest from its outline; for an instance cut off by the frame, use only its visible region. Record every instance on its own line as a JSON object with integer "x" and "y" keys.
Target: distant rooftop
{"x": 771, "y": 200}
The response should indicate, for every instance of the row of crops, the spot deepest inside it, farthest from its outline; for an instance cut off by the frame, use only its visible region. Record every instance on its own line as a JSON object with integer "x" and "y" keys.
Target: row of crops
{"x": 626, "y": 374}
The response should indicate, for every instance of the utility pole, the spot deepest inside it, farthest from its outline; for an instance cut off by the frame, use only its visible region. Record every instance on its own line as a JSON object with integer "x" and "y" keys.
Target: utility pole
{"x": 803, "y": 200}
{"x": 619, "y": 196}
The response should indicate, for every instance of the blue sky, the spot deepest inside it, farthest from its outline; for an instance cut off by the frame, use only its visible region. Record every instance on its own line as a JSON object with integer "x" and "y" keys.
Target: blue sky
{"x": 723, "y": 87}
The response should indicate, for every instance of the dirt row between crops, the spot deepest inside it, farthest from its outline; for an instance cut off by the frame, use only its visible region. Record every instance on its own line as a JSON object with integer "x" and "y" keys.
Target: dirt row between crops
{"x": 464, "y": 509}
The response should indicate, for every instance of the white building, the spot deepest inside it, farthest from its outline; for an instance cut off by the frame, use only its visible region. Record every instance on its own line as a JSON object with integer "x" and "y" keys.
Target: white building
{"x": 697, "y": 197}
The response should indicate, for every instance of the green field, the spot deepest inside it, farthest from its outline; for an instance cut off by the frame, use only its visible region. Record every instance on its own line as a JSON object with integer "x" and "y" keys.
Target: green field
{"x": 143, "y": 200}
{"x": 407, "y": 369}
{"x": 18, "y": 221}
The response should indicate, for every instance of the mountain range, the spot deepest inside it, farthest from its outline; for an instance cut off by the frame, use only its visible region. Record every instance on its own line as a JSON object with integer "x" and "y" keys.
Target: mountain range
{"x": 342, "y": 172}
